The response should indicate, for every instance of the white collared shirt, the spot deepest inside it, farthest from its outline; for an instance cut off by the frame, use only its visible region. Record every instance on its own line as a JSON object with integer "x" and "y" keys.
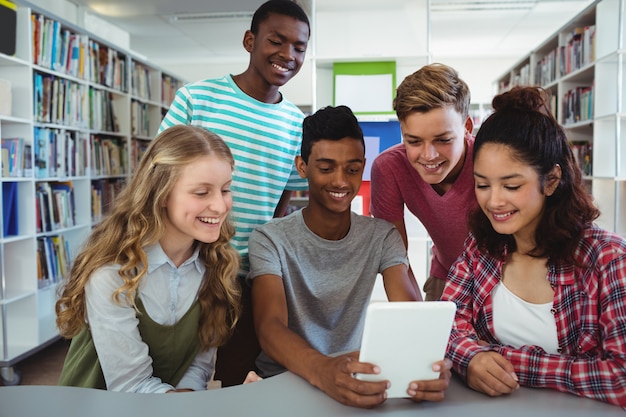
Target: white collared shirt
{"x": 167, "y": 293}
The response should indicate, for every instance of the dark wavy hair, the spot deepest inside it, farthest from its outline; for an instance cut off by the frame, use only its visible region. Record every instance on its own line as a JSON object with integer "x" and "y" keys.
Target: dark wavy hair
{"x": 333, "y": 123}
{"x": 281, "y": 7}
{"x": 523, "y": 122}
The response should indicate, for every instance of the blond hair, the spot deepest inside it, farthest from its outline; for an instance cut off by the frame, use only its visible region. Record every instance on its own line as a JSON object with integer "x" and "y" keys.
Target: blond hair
{"x": 432, "y": 86}
{"x": 136, "y": 220}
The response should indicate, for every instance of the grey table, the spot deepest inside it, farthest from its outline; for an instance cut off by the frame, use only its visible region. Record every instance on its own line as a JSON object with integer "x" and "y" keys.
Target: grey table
{"x": 285, "y": 395}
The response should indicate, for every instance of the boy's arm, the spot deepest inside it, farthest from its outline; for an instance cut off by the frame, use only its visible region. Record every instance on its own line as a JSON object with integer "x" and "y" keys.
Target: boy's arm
{"x": 399, "y": 286}
{"x": 333, "y": 375}
{"x": 401, "y": 228}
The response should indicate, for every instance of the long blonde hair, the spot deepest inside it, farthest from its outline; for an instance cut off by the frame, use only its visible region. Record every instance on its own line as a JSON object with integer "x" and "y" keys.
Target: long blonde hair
{"x": 136, "y": 221}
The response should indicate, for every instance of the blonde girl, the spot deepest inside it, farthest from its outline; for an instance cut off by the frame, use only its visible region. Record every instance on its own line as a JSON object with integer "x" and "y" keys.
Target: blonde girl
{"x": 154, "y": 291}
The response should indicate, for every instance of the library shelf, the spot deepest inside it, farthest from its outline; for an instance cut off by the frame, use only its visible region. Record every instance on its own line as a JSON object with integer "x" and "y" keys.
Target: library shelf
{"x": 582, "y": 66}
{"x": 81, "y": 111}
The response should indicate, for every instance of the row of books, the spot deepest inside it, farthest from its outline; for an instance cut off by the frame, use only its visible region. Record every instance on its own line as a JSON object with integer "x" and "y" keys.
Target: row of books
{"x": 59, "y": 48}
{"x": 102, "y": 111}
{"x": 169, "y": 86}
{"x": 112, "y": 68}
{"x": 583, "y": 155}
{"x": 103, "y": 192}
{"x": 60, "y": 101}
{"x": 520, "y": 78}
{"x": 138, "y": 148}
{"x": 62, "y": 50}
{"x": 60, "y": 153}
{"x": 577, "y": 52}
{"x": 16, "y": 158}
{"x": 55, "y": 206}
{"x": 140, "y": 118}
{"x": 53, "y": 260}
{"x": 577, "y": 105}
{"x": 141, "y": 78}
{"x": 108, "y": 156}
{"x": 547, "y": 68}
{"x": 579, "y": 49}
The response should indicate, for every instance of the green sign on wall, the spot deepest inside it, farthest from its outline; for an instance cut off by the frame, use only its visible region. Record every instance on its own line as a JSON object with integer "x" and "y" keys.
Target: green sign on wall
{"x": 365, "y": 87}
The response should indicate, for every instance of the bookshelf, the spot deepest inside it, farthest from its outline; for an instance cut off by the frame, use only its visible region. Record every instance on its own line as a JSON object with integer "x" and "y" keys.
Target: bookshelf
{"x": 582, "y": 65}
{"x": 82, "y": 111}
{"x": 479, "y": 112}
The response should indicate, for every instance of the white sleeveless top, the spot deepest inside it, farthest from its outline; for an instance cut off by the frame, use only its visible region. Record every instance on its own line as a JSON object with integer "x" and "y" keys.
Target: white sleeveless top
{"x": 517, "y": 322}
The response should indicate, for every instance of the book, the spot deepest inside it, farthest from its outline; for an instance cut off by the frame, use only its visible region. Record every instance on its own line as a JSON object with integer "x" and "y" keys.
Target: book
{"x": 63, "y": 194}
{"x": 42, "y": 152}
{"x": 13, "y": 157}
{"x": 9, "y": 209}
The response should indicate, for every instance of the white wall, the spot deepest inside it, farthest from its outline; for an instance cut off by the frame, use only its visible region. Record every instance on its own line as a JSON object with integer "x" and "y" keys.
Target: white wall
{"x": 405, "y": 32}
{"x": 479, "y": 73}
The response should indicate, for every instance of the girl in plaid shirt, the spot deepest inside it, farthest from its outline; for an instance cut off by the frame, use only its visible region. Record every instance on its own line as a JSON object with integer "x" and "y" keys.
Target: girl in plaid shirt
{"x": 540, "y": 289}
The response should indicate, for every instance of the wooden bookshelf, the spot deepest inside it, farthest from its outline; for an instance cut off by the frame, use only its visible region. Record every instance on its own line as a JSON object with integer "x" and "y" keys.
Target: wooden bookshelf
{"x": 78, "y": 107}
{"x": 582, "y": 66}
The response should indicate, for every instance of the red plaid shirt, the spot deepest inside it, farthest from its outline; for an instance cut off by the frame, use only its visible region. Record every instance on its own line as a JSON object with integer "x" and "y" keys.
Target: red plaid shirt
{"x": 589, "y": 308}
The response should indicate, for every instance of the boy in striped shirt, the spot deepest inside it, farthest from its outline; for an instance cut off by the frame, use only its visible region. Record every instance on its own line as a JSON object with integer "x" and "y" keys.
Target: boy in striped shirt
{"x": 263, "y": 131}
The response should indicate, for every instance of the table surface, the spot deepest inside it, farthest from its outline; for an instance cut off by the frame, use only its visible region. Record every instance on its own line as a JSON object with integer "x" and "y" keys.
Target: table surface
{"x": 285, "y": 395}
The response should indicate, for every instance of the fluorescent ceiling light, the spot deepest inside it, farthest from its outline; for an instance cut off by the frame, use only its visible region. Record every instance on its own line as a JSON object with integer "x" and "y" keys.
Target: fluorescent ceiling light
{"x": 196, "y": 17}
{"x": 475, "y": 6}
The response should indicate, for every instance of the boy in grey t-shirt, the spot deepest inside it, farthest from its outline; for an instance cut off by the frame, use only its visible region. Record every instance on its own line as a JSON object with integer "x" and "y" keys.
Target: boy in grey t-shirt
{"x": 313, "y": 271}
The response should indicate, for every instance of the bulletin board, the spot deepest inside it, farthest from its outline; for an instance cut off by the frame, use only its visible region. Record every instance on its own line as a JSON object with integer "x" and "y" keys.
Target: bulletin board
{"x": 365, "y": 87}
{"x": 378, "y": 137}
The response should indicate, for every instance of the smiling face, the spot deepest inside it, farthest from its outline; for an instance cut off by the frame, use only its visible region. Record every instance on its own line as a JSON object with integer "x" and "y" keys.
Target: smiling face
{"x": 510, "y": 193}
{"x": 334, "y": 171}
{"x": 277, "y": 51}
{"x": 435, "y": 144}
{"x": 199, "y": 203}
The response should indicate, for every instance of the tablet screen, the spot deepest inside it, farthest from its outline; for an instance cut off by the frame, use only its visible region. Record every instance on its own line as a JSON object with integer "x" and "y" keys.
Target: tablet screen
{"x": 404, "y": 339}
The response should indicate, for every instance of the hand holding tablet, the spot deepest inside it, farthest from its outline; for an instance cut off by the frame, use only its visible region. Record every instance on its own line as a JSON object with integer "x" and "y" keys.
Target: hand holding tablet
{"x": 405, "y": 339}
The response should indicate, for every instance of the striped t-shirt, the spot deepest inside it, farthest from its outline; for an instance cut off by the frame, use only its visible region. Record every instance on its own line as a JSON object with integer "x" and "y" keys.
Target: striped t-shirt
{"x": 264, "y": 139}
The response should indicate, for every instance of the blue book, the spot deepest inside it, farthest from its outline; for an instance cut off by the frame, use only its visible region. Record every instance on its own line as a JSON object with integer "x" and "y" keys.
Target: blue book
{"x": 9, "y": 209}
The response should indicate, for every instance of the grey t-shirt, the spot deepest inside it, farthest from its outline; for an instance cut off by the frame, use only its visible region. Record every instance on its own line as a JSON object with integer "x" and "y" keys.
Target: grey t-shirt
{"x": 328, "y": 283}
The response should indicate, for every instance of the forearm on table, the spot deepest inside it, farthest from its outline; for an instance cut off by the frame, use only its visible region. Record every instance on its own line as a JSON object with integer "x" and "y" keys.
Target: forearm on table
{"x": 199, "y": 372}
{"x": 290, "y": 350}
{"x": 461, "y": 350}
{"x": 596, "y": 378}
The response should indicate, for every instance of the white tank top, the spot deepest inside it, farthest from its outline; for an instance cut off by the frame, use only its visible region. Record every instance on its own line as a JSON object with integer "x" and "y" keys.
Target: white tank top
{"x": 518, "y": 322}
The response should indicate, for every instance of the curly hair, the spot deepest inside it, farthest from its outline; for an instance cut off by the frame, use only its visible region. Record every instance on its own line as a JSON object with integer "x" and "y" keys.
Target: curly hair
{"x": 522, "y": 121}
{"x": 330, "y": 123}
{"x": 136, "y": 220}
{"x": 281, "y": 7}
{"x": 431, "y": 87}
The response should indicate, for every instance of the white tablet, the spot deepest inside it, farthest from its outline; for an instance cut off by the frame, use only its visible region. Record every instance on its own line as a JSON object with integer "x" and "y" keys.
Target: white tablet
{"x": 404, "y": 339}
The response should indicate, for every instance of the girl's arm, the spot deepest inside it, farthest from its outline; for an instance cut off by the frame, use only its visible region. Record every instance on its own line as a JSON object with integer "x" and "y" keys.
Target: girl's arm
{"x": 599, "y": 369}
{"x": 199, "y": 372}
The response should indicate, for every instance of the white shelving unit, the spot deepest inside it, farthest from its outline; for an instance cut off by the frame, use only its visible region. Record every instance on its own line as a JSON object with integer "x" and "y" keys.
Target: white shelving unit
{"x": 597, "y": 129}
{"x": 479, "y": 112}
{"x": 139, "y": 94}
